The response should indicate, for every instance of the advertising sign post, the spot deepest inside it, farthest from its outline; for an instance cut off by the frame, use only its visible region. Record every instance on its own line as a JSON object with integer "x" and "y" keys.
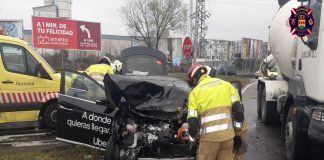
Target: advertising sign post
{"x": 56, "y": 33}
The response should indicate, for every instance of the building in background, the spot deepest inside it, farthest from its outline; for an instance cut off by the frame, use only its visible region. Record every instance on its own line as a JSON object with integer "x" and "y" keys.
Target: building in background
{"x": 251, "y": 48}
{"x": 265, "y": 50}
{"x": 237, "y": 49}
{"x": 12, "y": 28}
{"x": 219, "y": 50}
{"x": 248, "y": 54}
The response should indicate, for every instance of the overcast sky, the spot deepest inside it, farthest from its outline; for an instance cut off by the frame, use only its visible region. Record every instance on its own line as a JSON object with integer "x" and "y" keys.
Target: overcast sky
{"x": 230, "y": 19}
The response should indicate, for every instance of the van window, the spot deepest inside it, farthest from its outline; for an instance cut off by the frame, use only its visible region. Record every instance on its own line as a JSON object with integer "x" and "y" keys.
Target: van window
{"x": 31, "y": 64}
{"x": 13, "y": 58}
{"x": 18, "y": 60}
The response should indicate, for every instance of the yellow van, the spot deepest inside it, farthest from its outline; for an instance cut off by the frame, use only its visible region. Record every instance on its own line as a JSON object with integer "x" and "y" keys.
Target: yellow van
{"x": 28, "y": 86}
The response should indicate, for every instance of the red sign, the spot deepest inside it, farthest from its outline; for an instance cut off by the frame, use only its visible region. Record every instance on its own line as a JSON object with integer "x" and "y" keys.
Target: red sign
{"x": 56, "y": 33}
{"x": 187, "y": 47}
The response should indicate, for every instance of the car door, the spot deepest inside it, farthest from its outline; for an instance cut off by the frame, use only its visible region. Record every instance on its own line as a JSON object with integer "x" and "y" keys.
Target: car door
{"x": 21, "y": 88}
{"x": 84, "y": 115}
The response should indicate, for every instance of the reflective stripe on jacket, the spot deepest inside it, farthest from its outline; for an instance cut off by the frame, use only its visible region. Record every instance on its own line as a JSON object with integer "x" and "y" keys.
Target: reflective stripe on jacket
{"x": 211, "y": 101}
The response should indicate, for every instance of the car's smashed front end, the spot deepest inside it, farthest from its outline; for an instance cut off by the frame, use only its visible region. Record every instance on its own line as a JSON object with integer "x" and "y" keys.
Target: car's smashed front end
{"x": 153, "y": 111}
{"x": 156, "y": 97}
{"x": 141, "y": 113}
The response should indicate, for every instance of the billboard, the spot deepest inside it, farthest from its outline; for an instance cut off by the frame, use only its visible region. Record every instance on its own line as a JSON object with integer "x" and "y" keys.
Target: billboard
{"x": 251, "y": 48}
{"x": 56, "y": 33}
{"x": 12, "y": 28}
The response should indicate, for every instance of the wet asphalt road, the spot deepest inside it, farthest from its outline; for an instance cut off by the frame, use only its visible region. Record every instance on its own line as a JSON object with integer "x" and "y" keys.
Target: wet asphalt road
{"x": 264, "y": 141}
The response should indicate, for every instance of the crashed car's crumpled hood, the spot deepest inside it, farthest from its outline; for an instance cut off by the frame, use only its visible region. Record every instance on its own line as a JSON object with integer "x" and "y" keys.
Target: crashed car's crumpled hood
{"x": 152, "y": 96}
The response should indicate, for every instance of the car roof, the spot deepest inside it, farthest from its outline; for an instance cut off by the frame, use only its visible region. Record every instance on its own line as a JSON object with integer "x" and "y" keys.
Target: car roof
{"x": 139, "y": 50}
{"x": 12, "y": 39}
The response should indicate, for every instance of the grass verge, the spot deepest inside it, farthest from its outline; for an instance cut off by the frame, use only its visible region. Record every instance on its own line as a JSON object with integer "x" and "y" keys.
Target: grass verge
{"x": 70, "y": 152}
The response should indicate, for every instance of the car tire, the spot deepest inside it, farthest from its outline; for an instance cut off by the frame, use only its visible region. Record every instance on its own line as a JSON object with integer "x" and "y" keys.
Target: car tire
{"x": 296, "y": 142}
{"x": 268, "y": 110}
{"x": 50, "y": 116}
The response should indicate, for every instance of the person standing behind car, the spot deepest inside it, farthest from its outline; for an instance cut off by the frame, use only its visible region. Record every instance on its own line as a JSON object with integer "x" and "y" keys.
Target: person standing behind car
{"x": 216, "y": 105}
{"x": 98, "y": 71}
{"x": 102, "y": 67}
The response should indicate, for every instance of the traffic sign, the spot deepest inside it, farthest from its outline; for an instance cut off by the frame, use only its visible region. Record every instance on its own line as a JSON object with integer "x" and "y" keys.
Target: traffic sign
{"x": 57, "y": 33}
{"x": 187, "y": 47}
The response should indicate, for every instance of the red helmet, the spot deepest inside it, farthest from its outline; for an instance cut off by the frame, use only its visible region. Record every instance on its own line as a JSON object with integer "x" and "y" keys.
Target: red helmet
{"x": 194, "y": 69}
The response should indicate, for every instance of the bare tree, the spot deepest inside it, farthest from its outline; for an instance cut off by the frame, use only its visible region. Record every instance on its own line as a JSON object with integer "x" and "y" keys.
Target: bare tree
{"x": 152, "y": 19}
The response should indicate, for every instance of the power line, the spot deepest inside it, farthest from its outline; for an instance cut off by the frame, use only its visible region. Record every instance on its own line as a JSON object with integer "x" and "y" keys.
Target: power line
{"x": 200, "y": 16}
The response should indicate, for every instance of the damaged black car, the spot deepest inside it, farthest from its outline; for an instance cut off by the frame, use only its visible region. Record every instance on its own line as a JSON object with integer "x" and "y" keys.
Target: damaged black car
{"x": 141, "y": 113}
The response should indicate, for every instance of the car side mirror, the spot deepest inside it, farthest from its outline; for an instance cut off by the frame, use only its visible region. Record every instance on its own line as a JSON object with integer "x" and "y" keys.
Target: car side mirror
{"x": 102, "y": 102}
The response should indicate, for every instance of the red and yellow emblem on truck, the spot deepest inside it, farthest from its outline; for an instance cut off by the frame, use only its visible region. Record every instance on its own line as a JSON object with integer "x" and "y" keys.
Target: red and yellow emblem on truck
{"x": 301, "y": 21}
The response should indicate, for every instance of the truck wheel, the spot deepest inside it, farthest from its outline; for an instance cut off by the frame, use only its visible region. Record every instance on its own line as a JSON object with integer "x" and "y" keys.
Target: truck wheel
{"x": 50, "y": 116}
{"x": 268, "y": 110}
{"x": 296, "y": 142}
{"x": 260, "y": 92}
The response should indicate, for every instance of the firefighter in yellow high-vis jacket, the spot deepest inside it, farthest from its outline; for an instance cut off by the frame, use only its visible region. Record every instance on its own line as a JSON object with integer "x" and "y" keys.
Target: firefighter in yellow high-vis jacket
{"x": 215, "y": 108}
{"x": 98, "y": 71}
{"x": 103, "y": 67}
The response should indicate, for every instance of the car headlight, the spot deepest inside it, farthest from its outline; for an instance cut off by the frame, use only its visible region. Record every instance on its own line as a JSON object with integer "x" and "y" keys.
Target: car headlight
{"x": 318, "y": 115}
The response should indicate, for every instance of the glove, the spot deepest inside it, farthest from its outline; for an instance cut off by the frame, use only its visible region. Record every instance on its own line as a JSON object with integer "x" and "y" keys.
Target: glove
{"x": 237, "y": 143}
{"x": 193, "y": 143}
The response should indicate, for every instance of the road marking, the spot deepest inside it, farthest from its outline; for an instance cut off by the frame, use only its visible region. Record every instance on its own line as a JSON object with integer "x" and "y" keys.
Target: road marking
{"x": 248, "y": 86}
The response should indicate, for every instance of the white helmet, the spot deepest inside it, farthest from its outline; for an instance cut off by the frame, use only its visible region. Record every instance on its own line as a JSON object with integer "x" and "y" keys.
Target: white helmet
{"x": 117, "y": 66}
{"x": 105, "y": 60}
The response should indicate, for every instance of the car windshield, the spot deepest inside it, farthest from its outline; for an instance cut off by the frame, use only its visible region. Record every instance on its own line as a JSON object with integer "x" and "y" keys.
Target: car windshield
{"x": 144, "y": 65}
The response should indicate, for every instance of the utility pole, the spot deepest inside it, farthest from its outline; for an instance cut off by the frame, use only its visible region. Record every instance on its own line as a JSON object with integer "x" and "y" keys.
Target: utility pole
{"x": 191, "y": 25}
{"x": 200, "y": 16}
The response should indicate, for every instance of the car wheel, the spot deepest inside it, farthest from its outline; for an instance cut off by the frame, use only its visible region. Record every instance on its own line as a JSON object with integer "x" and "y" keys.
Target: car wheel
{"x": 296, "y": 142}
{"x": 50, "y": 116}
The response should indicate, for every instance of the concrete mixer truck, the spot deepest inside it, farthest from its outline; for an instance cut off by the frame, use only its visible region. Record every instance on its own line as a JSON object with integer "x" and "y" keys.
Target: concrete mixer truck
{"x": 295, "y": 99}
